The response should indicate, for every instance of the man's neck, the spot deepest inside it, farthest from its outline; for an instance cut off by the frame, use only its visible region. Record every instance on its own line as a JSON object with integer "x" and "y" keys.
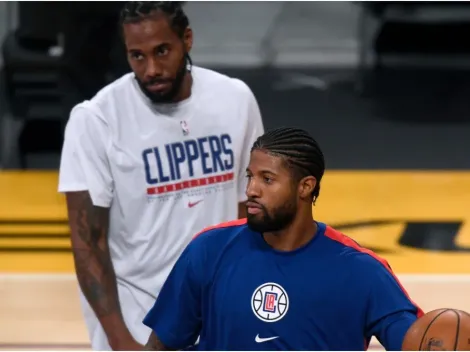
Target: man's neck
{"x": 186, "y": 88}
{"x": 296, "y": 235}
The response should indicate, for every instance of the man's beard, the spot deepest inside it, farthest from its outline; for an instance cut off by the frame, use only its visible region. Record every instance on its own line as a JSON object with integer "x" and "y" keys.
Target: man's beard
{"x": 176, "y": 83}
{"x": 280, "y": 218}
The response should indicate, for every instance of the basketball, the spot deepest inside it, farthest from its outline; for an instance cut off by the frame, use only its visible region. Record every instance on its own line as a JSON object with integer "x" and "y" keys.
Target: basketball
{"x": 439, "y": 330}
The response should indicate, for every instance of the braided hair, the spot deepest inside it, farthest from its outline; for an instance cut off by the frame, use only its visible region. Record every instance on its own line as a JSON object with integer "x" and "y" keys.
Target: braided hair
{"x": 298, "y": 149}
{"x": 135, "y": 11}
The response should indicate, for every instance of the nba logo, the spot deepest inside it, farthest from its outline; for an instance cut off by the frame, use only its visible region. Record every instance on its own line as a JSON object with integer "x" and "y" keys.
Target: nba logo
{"x": 270, "y": 299}
{"x": 184, "y": 127}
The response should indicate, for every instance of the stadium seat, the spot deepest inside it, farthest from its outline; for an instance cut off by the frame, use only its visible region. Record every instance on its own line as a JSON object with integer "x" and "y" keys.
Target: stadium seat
{"x": 36, "y": 92}
{"x": 413, "y": 35}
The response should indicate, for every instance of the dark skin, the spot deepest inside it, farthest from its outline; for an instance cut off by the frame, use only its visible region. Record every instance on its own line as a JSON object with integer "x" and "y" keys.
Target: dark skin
{"x": 95, "y": 273}
{"x": 242, "y": 210}
{"x": 154, "y": 344}
{"x": 271, "y": 185}
{"x": 155, "y": 51}
{"x": 89, "y": 226}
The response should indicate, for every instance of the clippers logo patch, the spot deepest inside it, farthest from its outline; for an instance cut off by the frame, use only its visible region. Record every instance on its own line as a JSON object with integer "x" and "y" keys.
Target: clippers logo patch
{"x": 270, "y": 302}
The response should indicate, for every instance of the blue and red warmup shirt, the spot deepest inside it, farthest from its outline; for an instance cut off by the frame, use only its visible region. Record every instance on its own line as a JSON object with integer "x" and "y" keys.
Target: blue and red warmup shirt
{"x": 237, "y": 293}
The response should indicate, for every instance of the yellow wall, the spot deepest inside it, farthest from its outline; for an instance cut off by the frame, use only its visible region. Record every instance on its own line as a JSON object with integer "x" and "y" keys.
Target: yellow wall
{"x": 31, "y": 207}
{"x": 348, "y": 197}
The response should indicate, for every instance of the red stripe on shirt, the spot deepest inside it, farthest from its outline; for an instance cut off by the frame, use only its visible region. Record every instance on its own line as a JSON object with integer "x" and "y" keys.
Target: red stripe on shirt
{"x": 237, "y": 222}
{"x": 345, "y": 240}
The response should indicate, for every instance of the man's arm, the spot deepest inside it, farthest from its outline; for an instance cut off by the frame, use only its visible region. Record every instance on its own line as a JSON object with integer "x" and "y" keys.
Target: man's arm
{"x": 176, "y": 317}
{"x": 393, "y": 330}
{"x": 85, "y": 178}
{"x": 390, "y": 311}
{"x": 93, "y": 266}
{"x": 154, "y": 344}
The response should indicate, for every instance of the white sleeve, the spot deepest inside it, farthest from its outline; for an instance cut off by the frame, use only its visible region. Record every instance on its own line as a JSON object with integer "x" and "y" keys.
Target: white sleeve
{"x": 253, "y": 131}
{"x": 84, "y": 162}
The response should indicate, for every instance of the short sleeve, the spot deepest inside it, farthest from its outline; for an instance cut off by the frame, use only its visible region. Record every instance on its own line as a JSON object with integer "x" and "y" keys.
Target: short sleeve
{"x": 390, "y": 311}
{"x": 176, "y": 315}
{"x": 254, "y": 129}
{"x": 84, "y": 164}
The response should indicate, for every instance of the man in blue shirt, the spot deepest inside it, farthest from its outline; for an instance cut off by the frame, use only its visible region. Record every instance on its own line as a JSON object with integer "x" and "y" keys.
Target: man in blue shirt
{"x": 279, "y": 280}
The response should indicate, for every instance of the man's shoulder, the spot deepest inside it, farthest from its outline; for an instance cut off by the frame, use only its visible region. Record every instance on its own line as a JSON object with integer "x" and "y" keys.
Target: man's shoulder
{"x": 355, "y": 255}
{"x": 219, "y": 230}
{"x": 116, "y": 92}
{"x": 221, "y": 82}
{"x": 218, "y": 236}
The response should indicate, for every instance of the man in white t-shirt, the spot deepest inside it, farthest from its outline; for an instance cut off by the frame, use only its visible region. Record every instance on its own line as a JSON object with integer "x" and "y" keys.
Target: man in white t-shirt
{"x": 152, "y": 159}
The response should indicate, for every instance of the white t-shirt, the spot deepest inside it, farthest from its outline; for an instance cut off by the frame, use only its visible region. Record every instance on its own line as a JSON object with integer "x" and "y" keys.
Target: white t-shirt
{"x": 165, "y": 170}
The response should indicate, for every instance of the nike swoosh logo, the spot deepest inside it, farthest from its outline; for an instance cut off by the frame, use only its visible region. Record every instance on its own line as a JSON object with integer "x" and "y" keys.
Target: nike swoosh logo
{"x": 265, "y": 339}
{"x": 190, "y": 204}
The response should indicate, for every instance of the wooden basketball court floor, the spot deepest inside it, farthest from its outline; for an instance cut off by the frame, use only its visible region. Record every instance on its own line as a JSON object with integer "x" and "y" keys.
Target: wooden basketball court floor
{"x": 416, "y": 220}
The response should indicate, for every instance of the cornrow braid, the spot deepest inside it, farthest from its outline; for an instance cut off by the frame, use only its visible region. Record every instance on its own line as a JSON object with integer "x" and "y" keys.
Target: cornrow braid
{"x": 135, "y": 11}
{"x": 301, "y": 152}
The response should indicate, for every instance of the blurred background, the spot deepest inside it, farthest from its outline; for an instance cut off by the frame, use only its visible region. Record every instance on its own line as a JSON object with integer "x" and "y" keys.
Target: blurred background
{"x": 383, "y": 86}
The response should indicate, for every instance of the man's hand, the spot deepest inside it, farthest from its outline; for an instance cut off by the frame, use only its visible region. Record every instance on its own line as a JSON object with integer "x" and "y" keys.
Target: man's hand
{"x": 125, "y": 343}
{"x": 154, "y": 344}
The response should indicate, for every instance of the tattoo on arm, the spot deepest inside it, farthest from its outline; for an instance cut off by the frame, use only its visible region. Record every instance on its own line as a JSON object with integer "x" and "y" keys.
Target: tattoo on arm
{"x": 95, "y": 272}
{"x": 154, "y": 344}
